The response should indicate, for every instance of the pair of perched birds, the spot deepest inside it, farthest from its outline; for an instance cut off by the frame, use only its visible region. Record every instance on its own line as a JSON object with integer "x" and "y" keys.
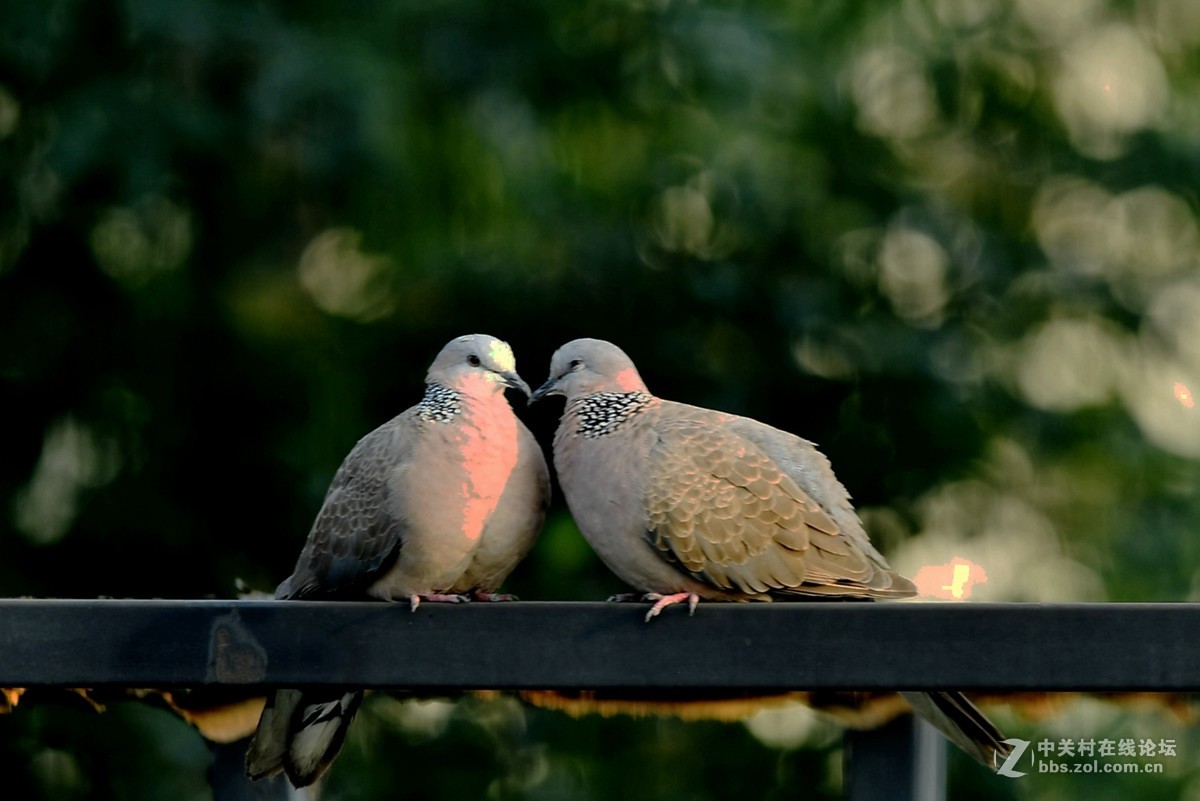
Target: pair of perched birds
{"x": 682, "y": 503}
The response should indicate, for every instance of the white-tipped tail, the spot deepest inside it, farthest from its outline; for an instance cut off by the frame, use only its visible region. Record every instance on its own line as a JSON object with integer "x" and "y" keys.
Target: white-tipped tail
{"x": 300, "y": 733}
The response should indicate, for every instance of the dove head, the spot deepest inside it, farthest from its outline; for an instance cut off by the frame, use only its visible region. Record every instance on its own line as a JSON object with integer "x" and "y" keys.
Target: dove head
{"x": 587, "y": 366}
{"x": 476, "y": 365}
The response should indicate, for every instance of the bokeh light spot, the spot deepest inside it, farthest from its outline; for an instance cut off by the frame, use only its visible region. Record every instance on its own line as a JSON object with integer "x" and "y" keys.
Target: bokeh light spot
{"x": 1184, "y": 396}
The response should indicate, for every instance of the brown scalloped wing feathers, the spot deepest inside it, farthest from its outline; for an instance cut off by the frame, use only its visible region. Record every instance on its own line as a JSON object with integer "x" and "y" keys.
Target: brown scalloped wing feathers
{"x": 724, "y": 512}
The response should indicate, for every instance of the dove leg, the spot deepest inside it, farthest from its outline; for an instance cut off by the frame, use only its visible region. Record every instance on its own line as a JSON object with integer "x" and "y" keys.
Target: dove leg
{"x": 661, "y": 602}
{"x": 415, "y": 600}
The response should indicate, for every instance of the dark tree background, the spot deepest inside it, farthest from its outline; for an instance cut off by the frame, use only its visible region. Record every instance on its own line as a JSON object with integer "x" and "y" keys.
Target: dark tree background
{"x": 955, "y": 244}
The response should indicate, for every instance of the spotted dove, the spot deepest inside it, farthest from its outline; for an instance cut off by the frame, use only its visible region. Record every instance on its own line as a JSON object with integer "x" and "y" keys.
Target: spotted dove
{"x": 440, "y": 503}
{"x": 684, "y": 503}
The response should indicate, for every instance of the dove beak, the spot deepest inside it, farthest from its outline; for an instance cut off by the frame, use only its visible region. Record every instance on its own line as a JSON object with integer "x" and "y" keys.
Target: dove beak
{"x": 549, "y": 388}
{"x": 514, "y": 381}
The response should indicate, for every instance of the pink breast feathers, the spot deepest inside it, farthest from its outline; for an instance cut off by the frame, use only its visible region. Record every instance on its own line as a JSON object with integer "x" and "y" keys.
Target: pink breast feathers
{"x": 488, "y": 460}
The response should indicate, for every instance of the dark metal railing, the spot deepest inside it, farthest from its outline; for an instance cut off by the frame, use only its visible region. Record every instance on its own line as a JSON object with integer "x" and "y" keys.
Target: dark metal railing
{"x": 599, "y": 646}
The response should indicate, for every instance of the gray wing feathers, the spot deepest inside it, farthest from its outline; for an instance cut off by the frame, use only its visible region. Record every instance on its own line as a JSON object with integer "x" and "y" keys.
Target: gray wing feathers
{"x": 358, "y": 533}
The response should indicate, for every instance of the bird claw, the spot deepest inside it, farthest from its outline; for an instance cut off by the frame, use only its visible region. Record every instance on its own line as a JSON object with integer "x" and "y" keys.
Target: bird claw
{"x": 625, "y": 597}
{"x": 415, "y": 600}
{"x": 663, "y": 601}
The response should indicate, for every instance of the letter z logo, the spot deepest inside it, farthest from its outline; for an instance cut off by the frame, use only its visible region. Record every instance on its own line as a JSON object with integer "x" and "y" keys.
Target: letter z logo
{"x": 1019, "y": 747}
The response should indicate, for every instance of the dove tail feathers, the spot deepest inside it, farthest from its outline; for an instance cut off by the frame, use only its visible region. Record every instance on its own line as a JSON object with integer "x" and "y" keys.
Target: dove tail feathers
{"x": 957, "y": 718}
{"x": 300, "y": 733}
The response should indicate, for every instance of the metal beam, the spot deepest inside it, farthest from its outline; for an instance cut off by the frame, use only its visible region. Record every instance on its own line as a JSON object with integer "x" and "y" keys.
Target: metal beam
{"x": 903, "y": 760}
{"x": 534, "y": 645}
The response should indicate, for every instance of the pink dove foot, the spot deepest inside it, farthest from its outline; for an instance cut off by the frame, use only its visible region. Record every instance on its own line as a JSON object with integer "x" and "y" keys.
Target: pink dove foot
{"x": 663, "y": 601}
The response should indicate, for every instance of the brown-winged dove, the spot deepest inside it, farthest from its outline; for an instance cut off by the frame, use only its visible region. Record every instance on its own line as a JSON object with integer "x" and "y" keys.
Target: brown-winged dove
{"x": 439, "y": 503}
{"x": 684, "y": 503}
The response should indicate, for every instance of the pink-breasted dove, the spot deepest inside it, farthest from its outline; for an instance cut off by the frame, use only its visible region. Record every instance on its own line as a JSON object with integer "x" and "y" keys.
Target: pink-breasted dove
{"x": 684, "y": 503}
{"x": 439, "y": 503}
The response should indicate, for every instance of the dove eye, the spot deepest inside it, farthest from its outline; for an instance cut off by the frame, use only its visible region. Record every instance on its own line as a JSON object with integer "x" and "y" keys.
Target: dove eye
{"x": 575, "y": 364}
{"x": 473, "y": 360}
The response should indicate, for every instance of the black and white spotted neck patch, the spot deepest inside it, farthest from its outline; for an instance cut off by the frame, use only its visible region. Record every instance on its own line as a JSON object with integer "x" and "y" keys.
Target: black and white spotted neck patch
{"x": 440, "y": 404}
{"x": 605, "y": 412}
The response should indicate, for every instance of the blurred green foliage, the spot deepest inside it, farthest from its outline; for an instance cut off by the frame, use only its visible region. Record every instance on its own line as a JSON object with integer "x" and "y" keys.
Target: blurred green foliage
{"x": 955, "y": 244}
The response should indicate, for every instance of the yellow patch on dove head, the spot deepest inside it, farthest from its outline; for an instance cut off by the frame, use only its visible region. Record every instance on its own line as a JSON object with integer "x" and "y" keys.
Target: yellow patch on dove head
{"x": 502, "y": 356}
